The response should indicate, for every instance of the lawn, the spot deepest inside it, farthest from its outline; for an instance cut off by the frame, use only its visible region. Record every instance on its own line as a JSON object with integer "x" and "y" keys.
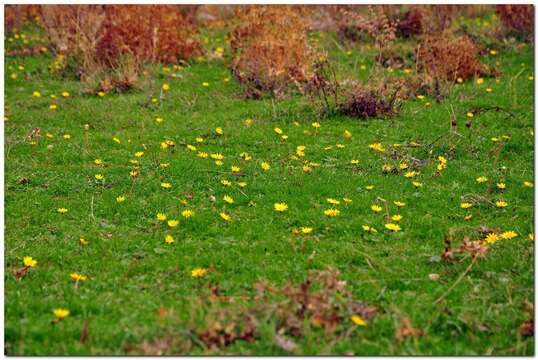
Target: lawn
{"x": 140, "y": 294}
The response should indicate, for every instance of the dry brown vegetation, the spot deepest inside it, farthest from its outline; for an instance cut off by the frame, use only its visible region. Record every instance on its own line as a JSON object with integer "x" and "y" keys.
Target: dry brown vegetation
{"x": 270, "y": 49}
{"x": 518, "y": 19}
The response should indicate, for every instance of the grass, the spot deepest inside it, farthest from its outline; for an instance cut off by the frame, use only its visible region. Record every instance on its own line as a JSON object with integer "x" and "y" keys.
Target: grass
{"x": 134, "y": 275}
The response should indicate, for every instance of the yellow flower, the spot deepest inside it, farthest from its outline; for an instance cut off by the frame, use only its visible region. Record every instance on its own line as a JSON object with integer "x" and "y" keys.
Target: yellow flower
{"x": 228, "y": 199}
{"x": 332, "y": 212}
{"x": 225, "y": 216}
{"x": 245, "y": 156}
{"x": 235, "y": 169}
{"x": 357, "y": 320}
{"x": 492, "y": 238}
{"x": 479, "y": 81}
{"x": 120, "y": 199}
{"x": 219, "y": 131}
{"x": 501, "y": 185}
{"x": 169, "y": 239}
{"x": 83, "y": 241}
{"x": 36, "y": 94}
{"x": 333, "y": 201}
{"x": 187, "y": 213}
{"x": 501, "y": 203}
{"x": 166, "y": 185}
{"x": 278, "y": 131}
{"x": 205, "y": 84}
{"x": 528, "y": 184}
{"x": 468, "y": 217}
{"x": 507, "y": 235}
{"x": 166, "y": 87}
{"x": 347, "y": 134}
{"x": 62, "y": 210}
{"x": 347, "y": 200}
{"x": 139, "y": 154}
{"x": 61, "y": 314}
{"x": 161, "y": 217}
{"x": 159, "y": 120}
{"x": 242, "y": 184}
{"x": 481, "y": 179}
{"x": 470, "y": 114}
{"x": 399, "y": 203}
{"x": 198, "y": 272}
{"x": 191, "y": 147}
{"x": 376, "y": 208}
{"x": 377, "y": 147}
{"x": 306, "y": 230}
{"x": 199, "y": 139}
{"x": 173, "y": 223}
{"x": 99, "y": 177}
{"x": 28, "y": 261}
{"x": 217, "y": 156}
{"x": 397, "y": 217}
{"x": 76, "y": 277}
{"x": 466, "y": 205}
{"x": 393, "y": 227}
{"x": 411, "y": 174}
{"x": 101, "y": 93}
{"x": 370, "y": 187}
{"x": 265, "y": 166}
{"x": 164, "y": 165}
{"x": 65, "y": 94}
{"x": 417, "y": 184}
{"x": 403, "y": 166}
{"x": 316, "y": 125}
{"x": 116, "y": 140}
{"x": 67, "y": 136}
{"x": 53, "y": 107}
{"x": 202, "y": 154}
{"x": 387, "y": 168}
{"x": 354, "y": 162}
{"x": 369, "y": 229}
{"x": 226, "y": 182}
{"x": 280, "y": 207}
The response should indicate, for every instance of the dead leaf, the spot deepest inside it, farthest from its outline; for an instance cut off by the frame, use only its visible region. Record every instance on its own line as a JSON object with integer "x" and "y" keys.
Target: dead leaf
{"x": 84, "y": 333}
{"x": 284, "y": 343}
{"x": 19, "y": 274}
{"x": 406, "y": 330}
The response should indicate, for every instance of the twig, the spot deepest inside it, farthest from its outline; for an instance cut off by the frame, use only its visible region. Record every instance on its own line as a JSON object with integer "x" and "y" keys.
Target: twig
{"x": 457, "y": 281}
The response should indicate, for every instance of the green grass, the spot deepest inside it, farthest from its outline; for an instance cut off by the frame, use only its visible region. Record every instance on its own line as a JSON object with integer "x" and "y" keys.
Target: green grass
{"x": 133, "y": 273}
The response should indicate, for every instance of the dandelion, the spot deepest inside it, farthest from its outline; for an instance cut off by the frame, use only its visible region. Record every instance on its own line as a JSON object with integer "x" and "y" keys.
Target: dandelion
{"x": 265, "y": 166}
{"x": 36, "y": 94}
{"x": 501, "y": 204}
{"x": 62, "y": 210}
{"x": 481, "y": 179}
{"x": 225, "y": 216}
{"x": 333, "y": 201}
{"x": 166, "y": 185}
{"x": 166, "y": 87}
{"x": 528, "y": 184}
{"x": 377, "y": 147}
{"x": 470, "y": 114}
{"x": 198, "y": 272}
{"x": 139, "y": 154}
{"x": 28, "y": 261}
{"x": 387, "y": 168}
{"x": 65, "y": 94}
{"x": 235, "y": 169}
{"x": 116, "y": 140}
{"x": 278, "y": 131}
{"x": 369, "y": 229}
{"x": 403, "y": 166}
{"x": 399, "y": 203}
{"x": 67, "y": 136}
{"x": 187, "y": 213}
{"x": 332, "y": 212}
{"x": 76, "y": 277}
{"x": 466, "y": 205}
{"x": 202, "y": 155}
{"x": 507, "y": 235}
{"x": 242, "y": 184}
{"x": 98, "y": 162}
{"x": 99, "y": 177}
{"x": 217, "y": 156}
{"x": 161, "y": 217}
{"x": 359, "y": 321}
{"x": 376, "y": 208}
{"x": 205, "y": 84}
{"x": 173, "y": 223}
{"x": 219, "y": 131}
{"x": 61, "y": 314}
{"x": 354, "y": 162}
{"x": 316, "y": 125}
{"x": 226, "y": 183}
{"x": 169, "y": 239}
{"x": 393, "y": 227}
{"x": 396, "y": 217}
{"x": 191, "y": 147}
{"x": 370, "y": 187}
{"x": 228, "y": 199}
{"x": 83, "y": 241}
{"x": 101, "y": 94}
{"x": 306, "y": 230}
{"x": 492, "y": 238}
{"x": 501, "y": 185}
{"x": 347, "y": 200}
{"x": 280, "y": 207}
{"x": 53, "y": 107}
{"x": 120, "y": 199}
{"x": 417, "y": 184}
{"x": 411, "y": 174}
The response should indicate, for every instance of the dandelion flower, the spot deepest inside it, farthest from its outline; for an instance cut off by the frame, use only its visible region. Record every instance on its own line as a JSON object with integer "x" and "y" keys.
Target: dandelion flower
{"x": 198, "y": 272}
{"x": 61, "y": 314}
{"x": 120, "y": 199}
{"x": 225, "y": 216}
{"x": 173, "y": 223}
{"x": 219, "y": 131}
{"x": 481, "y": 179}
{"x": 359, "y": 321}
{"x": 393, "y": 227}
{"x": 28, "y": 261}
{"x": 76, "y": 277}
{"x": 62, "y": 210}
{"x": 417, "y": 184}
{"x": 306, "y": 230}
{"x": 169, "y": 239}
{"x": 83, "y": 241}
{"x": 466, "y": 205}
{"x": 528, "y": 184}
{"x": 331, "y": 212}
{"x": 376, "y": 208}
{"x": 161, "y": 217}
{"x": 265, "y": 166}
{"x": 166, "y": 185}
{"x": 187, "y": 213}
{"x": 507, "y": 235}
{"x": 280, "y": 207}
{"x": 368, "y": 228}
{"x": 333, "y": 201}
{"x": 166, "y": 87}
{"x": 501, "y": 185}
{"x": 377, "y": 147}
{"x": 492, "y": 238}
{"x": 501, "y": 204}
{"x": 399, "y": 203}
{"x": 99, "y": 177}
{"x": 228, "y": 199}
{"x": 347, "y": 134}
{"x": 396, "y": 217}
